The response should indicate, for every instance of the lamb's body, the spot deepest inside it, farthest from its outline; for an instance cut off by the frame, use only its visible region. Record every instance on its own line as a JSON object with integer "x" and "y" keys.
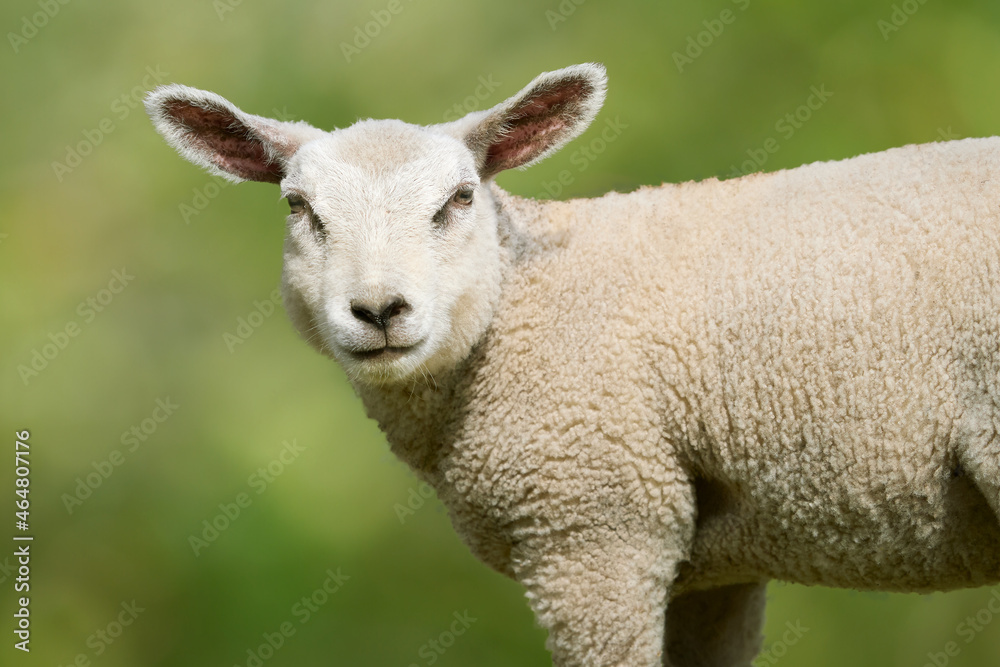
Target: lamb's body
{"x": 810, "y": 357}
{"x": 643, "y": 407}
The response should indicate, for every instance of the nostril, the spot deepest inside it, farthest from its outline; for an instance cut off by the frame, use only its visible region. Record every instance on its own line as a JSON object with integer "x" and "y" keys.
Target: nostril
{"x": 364, "y": 314}
{"x": 380, "y": 315}
{"x": 395, "y": 306}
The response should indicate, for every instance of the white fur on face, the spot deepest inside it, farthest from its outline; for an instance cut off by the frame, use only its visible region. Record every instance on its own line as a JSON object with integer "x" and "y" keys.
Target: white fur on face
{"x": 381, "y": 271}
{"x": 368, "y": 235}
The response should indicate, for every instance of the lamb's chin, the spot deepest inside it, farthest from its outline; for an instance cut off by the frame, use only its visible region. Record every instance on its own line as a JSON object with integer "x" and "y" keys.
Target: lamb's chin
{"x": 383, "y": 367}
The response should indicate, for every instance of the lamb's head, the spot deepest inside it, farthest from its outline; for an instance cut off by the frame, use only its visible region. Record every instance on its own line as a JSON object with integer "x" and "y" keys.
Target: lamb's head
{"x": 392, "y": 262}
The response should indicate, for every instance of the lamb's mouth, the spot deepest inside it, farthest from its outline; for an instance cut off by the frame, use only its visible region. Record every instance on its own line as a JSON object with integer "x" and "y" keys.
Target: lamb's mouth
{"x": 385, "y": 353}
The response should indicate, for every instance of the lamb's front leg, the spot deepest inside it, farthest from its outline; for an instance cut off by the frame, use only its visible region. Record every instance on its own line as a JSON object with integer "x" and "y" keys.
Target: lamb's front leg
{"x": 601, "y": 594}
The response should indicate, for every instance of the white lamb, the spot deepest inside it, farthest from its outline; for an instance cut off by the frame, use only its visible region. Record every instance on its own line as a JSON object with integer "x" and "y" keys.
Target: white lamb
{"x": 645, "y": 406}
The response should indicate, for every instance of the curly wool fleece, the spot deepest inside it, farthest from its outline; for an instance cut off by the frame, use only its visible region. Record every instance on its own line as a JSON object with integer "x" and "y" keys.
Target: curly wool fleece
{"x": 645, "y": 406}
{"x": 786, "y": 376}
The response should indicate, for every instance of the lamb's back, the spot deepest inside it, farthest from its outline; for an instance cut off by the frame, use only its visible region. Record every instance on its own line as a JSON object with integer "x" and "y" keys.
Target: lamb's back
{"x": 821, "y": 340}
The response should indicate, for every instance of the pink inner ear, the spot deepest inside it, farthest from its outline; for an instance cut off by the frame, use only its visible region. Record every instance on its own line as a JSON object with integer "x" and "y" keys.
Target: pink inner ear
{"x": 524, "y": 142}
{"x": 232, "y": 145}
{"x": 550, "y": 101}
{"x": 534, "y": 126}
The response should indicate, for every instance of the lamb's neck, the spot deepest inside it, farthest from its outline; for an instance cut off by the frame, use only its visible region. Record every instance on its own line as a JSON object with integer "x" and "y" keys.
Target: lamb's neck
{"x": 416, "y": 418}
{"x": 423, "y": 417}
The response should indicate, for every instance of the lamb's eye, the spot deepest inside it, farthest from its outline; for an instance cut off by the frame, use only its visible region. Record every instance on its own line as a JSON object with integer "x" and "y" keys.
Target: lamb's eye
{"x": 297, "y": 204}
{"x": 462, "y": 198}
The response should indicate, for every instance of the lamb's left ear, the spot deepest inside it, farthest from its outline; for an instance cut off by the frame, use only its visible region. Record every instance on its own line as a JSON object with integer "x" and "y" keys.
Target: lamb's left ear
{"x": 550, "y": 111}
{"x": 211, "y": 132}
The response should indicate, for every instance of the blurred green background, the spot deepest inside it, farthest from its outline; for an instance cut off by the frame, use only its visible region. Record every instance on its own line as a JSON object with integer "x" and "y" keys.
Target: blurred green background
{"x": 696, "y": 90}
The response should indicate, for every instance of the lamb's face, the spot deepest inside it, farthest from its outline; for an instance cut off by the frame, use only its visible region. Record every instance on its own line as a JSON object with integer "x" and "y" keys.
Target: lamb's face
{"x": 391, "y": 260}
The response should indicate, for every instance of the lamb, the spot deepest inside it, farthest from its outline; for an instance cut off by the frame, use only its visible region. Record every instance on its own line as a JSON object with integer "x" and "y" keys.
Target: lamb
{"x": 645, "y": 406}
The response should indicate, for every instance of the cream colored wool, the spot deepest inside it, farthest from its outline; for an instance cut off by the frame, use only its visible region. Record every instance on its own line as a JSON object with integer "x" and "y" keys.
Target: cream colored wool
{"x": 678, "y": 394}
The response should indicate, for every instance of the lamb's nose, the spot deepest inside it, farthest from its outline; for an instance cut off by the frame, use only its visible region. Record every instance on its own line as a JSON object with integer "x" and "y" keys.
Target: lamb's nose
{"x": 379, "y": 314}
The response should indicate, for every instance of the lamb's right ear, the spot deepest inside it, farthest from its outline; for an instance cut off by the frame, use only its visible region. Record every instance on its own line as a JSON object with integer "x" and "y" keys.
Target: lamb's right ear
{"x": 549, "y": 112}
{"x": 211, "y": 132}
